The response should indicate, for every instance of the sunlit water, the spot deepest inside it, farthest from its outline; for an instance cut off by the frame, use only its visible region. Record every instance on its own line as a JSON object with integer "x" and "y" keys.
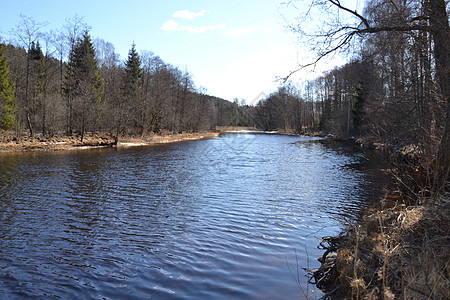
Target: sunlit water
{"x": 234, "y": 217}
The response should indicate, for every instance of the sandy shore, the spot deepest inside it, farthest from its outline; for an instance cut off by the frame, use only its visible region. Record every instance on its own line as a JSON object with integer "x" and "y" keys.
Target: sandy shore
{"x": 158, "y": 139}
{"x": 9, "y": 143}
{"x": 233, "y": 128}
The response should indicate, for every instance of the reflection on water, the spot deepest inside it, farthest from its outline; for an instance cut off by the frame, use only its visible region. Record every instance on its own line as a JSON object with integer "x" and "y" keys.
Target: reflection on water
{"x": 222, "y": 218}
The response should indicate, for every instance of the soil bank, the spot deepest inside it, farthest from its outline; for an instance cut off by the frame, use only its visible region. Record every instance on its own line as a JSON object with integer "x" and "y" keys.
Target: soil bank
{"x": 9, "y": 142}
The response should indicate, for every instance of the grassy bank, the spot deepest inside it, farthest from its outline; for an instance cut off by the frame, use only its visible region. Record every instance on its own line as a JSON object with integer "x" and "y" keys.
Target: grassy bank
{"x": 393, "y": 253}
{"x": 11, "y": 142}
{"x": 399, "y": 249}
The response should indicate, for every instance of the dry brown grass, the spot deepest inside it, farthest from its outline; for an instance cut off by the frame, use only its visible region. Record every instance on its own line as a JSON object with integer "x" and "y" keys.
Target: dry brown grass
{"x": 12, "y": 142}
{"x": 396, "y": 253}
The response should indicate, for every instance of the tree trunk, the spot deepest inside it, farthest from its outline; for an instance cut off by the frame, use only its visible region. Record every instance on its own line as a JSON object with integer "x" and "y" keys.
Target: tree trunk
{"x": 441, "y": 38}
{"x": 27, "y": 104}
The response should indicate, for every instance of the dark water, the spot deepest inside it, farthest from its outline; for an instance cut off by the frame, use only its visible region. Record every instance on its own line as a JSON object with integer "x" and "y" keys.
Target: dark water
{"x": 235, "y": 217}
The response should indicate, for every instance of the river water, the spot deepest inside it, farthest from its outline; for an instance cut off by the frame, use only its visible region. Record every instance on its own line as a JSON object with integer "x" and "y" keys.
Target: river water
{"x": 233, "y": 217}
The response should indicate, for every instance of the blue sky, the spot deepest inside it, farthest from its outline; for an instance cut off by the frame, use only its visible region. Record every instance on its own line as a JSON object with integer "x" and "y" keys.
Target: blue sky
{"x": 233, "y": 48}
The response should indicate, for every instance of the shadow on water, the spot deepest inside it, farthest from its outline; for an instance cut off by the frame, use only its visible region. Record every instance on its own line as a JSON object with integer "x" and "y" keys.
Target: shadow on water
{"x": 351, "y": 159}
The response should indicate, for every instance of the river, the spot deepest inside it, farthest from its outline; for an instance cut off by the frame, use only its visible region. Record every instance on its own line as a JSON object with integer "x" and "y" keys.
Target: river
{"x": 234, "y": 217}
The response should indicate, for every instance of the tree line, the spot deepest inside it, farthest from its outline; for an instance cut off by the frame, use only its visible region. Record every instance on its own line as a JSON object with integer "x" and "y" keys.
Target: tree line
{"x": 389, "y": 90}
{"x": 394, "y": 91}
{"x": 66, "y": 82}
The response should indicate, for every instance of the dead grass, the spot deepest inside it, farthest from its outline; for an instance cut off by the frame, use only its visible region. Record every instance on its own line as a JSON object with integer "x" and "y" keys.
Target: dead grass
{"x": 395, "y": 253}
{"x": 11, "y": 142}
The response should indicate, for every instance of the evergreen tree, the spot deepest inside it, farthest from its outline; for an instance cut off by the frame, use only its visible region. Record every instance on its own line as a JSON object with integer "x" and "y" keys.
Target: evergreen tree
{"x": 39, "y": 57}
{"x": 7, "y": 97}
{"x": 35, "y": 51}
{"x": 129, "y": 106}
{"x": 84, "y": 87}
{"x": 358, "y": 109}
{"x": 133, "y": 72}
{"x": 36, "y": 83}
{"x": 86, "y": 67}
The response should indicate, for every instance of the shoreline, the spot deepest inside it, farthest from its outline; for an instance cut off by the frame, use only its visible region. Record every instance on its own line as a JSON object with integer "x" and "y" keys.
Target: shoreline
{"x": 9, "y": 143}
{"x": 397, "y": 249}
{"x": 393, "y": 252}
{"x": 165, "y": 139}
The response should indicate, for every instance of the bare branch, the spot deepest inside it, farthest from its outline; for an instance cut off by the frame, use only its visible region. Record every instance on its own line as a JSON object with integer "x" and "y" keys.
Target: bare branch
{"x": 337, "y": 3}
{"x": 28, "y": 31}
{"x": 396, "y": 29}
{"x": 338, "y": 36}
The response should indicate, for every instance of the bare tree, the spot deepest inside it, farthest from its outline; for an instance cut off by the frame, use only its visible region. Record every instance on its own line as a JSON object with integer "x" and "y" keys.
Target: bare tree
{"x": 109, "y": 62}
{"x": 26, "y": 34}
{"x": 74, "y": 29}
{"x": 342, "y": 25}
{"x": 61, "y": 50}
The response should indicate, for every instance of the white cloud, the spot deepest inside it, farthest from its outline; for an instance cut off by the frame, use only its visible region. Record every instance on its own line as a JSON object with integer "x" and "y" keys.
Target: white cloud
{"x": 172, "y": 25}
{"x": 186, "y": 14}
{"x": 256, "y": 72}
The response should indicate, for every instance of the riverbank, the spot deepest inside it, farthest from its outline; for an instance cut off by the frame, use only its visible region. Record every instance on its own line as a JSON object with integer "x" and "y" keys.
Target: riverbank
{"x": 165, "y": 139}
{"x": 224, "y": 129}
{"x": 397, "y": 250}
{"x": 9, "y": 142}
{"x": 393, "y": 253}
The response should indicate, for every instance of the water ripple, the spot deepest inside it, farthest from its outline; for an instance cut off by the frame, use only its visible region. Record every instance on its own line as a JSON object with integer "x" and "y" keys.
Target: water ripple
{"x": 221, "y": 218}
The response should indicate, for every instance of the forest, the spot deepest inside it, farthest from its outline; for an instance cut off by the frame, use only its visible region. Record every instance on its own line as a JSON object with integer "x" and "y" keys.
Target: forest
{"x": 394, "y": 91}
{"x": 66, "y": 83}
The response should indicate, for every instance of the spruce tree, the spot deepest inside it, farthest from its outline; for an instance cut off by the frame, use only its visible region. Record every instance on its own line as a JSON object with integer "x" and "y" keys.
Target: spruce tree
{"x": 86, "y": 71}
{"x": 35, "y": 51}
{"x": 129, "y": 106}
{"x": 133, "y": 71}
{"x": 7, "y": 97}
{"x": 358, "y": 113}
{"x": 84, "y": 86}
{"x": 133, "y": 77}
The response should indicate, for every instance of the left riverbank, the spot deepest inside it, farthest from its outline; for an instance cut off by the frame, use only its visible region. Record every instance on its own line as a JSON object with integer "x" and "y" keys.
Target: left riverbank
{"x": 165, "y": 139}
{"x": 10, "y": 142}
